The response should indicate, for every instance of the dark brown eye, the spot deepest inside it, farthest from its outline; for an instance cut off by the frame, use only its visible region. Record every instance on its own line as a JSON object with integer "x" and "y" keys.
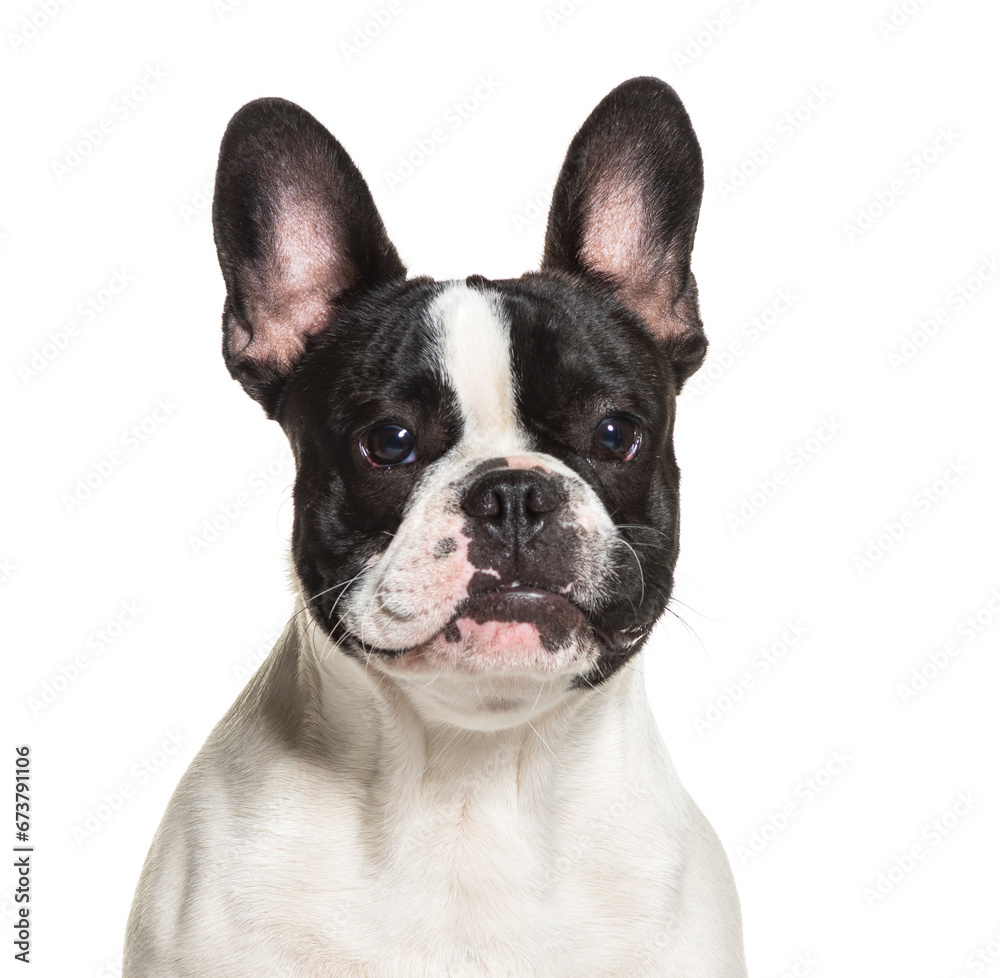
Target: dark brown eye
{"x": 388, "y": 444}
{"x": 615, "y": 439}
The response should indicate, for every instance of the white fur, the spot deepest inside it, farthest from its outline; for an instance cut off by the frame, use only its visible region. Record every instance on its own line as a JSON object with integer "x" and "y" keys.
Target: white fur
{"x": 435, "y": 816}
{"x": 474, "y": 357}
{"x": 336, "y": 831}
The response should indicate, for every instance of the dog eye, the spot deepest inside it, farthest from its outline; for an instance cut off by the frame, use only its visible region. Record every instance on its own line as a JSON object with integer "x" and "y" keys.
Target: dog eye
{"x": 388, "y": 444}
{"x": 615, "y": 439}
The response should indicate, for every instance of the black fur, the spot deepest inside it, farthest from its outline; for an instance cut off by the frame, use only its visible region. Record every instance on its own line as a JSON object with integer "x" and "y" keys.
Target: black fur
{"x": 639, "y": 135}
{"x": 267, "y": 143}
{"x": 592, "y": 336}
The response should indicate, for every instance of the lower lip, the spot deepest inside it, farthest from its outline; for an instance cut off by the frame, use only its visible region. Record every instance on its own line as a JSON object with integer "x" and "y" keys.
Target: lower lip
{"x": 513, "y": 629}
{"x": 537, "y": 607}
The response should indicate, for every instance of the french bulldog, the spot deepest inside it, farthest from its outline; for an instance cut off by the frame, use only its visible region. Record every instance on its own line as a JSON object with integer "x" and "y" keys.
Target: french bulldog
{"x": 448, "y": 766}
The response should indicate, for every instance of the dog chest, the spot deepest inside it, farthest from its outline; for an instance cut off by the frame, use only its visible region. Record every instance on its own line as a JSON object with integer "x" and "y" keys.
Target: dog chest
{"x": 465, "y": 885}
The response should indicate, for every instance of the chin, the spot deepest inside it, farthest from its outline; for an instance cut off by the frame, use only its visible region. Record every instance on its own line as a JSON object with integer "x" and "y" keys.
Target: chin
{"x": 494, "y": 675}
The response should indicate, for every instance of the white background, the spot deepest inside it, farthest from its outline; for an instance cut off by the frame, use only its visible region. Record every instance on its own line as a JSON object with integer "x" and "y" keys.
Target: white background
{"x": 824, "y": 771}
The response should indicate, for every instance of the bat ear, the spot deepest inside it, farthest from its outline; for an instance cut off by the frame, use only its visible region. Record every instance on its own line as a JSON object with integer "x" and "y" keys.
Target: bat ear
{"x": 297, "y": 234}
{"x": 625, "y": 209}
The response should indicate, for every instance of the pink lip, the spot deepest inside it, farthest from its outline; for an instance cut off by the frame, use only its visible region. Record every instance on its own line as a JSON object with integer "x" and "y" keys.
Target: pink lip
{"x": 551, "y": 612}
{"x": 518, "y": 628}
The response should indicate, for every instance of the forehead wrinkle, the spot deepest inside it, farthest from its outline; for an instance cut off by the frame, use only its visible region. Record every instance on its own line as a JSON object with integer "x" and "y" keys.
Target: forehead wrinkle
{"x": 474, "y": 358}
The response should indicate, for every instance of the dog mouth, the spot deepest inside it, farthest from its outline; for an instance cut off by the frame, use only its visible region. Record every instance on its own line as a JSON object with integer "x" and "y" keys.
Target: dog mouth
{"x": 514, "y": 627}
{"x": 556, "y": 618}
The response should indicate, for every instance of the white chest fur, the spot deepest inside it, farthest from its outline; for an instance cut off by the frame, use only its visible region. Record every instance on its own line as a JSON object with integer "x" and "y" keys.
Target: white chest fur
{"x": 326, "y": 829}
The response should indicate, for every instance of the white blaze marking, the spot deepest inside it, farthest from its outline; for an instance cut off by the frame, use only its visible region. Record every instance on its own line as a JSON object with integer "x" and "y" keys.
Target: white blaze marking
{"x": 475, "y": 360}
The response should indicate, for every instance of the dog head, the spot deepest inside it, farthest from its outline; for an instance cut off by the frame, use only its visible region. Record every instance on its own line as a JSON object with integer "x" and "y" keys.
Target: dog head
{"x": 486, "y": 497}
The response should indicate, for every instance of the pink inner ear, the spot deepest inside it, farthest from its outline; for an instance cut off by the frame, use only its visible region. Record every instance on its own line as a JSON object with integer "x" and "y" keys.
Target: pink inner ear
{"x": 291, "y": 298}
{"x": 618, "y": 246}
{"x": 615, "y": 226}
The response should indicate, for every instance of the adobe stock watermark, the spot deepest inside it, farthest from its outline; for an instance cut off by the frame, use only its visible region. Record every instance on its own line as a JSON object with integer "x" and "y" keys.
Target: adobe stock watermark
{"x": 796, "y": 459}
{"x": 932, "y": 835}
{"x": 250, "y": 663}
{"x": 86, "y": 312}
{"x": 534, "y": 207}
{"x": 467, "y": 961}
{"x": 336, "y": 921}
{"x": 805, "y": 963}
{"x": 8, "y": 907}
{"x": 7, "y": 570}
{"x": 138, "y": 775}
{"x": 805, "y": 793}
{"x": 760, "y": 664}
{"x": 916, "y": 167}
{"x": 956, "y": 299}
{"x": 600, "y": 829}
{"x": 921, "y": 503}
{"x": 710, "y": 30}
{"x": 455, "y": 117}
{"x": 652, "y": 954}
{"x": 33, "y": 23}
{"x": 92, "y": 137}
{"x": 557, "y": 14}
{"x": 112, "y": 968}
{"x": 225, "y": 8}
{"x": 982, "y": 958}
{"x": 371, "y": 29}
{"x": 753, "y": 329}
{"x": 452, "y": 810}
{"x": 898, "y": 16}
{"x": 100, "y": 472}
{"x": 786, "y": 128}
{"x": 99, "y": 641}
{"x": 197, "y": 203}
{"x": 967, "y": 631}
{"x": 279, "y": 468}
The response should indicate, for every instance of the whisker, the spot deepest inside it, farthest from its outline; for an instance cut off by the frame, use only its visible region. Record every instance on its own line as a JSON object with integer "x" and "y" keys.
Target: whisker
{"x": 642, "y": 577}
{"x": 544, "y": 742}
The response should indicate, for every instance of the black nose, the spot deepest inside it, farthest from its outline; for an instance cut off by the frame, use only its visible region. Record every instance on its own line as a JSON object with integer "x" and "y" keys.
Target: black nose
{"x": 512, "y": 503}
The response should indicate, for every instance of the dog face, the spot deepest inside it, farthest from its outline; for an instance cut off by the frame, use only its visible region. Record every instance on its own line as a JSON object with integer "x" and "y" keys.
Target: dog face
{"x": 486, "y": 492}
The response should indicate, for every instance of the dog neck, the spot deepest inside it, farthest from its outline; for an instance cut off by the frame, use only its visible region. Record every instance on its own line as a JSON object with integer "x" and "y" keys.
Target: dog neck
{"x": 590, "y": 750}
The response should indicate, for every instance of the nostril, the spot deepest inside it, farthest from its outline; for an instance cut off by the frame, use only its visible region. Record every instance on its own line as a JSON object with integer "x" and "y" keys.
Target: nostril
{"x": 540, "y": 499}
{"x": 509, "y": 497}
{"x": 483, "y": 502}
